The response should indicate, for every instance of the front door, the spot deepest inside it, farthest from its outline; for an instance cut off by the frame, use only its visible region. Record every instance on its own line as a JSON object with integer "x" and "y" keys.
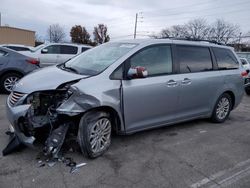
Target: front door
{"x": 151, "y": 101}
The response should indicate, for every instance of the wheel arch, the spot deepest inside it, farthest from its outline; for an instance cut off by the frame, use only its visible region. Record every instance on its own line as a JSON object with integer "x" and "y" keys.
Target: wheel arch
{"x": 115, "y": 117}
{"x": 232, "y": 95}
{"x": 11, "y": 71}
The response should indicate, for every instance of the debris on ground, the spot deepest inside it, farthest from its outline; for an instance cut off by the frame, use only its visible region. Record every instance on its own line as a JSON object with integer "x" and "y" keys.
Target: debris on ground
{"x": 48, "y": 158}
{"x": 76, "y": 167}
{"x": 14, "y": 144}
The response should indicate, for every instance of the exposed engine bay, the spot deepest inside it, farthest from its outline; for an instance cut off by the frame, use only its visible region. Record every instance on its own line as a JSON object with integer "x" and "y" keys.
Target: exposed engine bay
{"x": 44, "y": 123}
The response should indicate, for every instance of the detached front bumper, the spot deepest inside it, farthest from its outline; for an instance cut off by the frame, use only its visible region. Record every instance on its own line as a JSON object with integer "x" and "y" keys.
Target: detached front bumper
{"x": 14, "y": 114}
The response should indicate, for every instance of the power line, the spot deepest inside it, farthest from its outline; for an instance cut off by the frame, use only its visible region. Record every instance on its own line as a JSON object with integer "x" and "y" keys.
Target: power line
{"x": 203, "y": 16}
{"x": 192, "y": 11}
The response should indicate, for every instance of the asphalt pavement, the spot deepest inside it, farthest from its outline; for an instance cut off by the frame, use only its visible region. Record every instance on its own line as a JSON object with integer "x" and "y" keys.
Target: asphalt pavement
{"x": 193, "y": 154}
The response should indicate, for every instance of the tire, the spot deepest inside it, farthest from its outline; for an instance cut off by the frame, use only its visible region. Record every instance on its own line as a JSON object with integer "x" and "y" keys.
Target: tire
{"x": 94, "y": 133}
{"x": 247, "y": 89}
{"x": 10, "y": 78}
{"x": 223, "y": 104}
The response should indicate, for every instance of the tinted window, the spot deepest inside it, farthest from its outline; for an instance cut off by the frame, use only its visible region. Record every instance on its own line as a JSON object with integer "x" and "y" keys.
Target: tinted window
{"x": 53, "y": 49}
{"x": 84, "y": 49}
{"x": 2, "y": 53}
{"x": 156, "y": 59}
{"x": 68, "y": 49}
{"x": 225, "y": 58}
{"x": 194, "y": 59}
{"x": 17, "y": 48}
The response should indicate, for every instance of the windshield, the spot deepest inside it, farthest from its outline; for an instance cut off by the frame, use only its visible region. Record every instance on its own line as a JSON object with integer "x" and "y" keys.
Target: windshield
{"x": 99, "y": 58}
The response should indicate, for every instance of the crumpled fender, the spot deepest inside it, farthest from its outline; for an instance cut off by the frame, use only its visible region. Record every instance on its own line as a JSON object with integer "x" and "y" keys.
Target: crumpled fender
{"x": 78, "y": 103}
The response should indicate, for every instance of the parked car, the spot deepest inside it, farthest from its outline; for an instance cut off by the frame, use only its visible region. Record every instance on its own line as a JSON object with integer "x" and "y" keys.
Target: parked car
{"x": 14, "y": 66}
{"x": 126, "y": 86}
{"x": 18, "y": 47}
{"x": 245, "y": 66}
{"x": 56, "y": 53}
{"x": 244, "y": 55}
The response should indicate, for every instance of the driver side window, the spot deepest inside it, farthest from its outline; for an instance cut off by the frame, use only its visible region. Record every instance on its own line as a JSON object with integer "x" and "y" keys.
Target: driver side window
{"x": 157, "y": 60}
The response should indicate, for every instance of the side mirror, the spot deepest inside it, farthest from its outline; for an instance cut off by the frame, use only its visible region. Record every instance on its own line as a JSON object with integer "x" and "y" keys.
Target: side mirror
{"x": 137, "y": 72}
{"x": 44, "y": 51}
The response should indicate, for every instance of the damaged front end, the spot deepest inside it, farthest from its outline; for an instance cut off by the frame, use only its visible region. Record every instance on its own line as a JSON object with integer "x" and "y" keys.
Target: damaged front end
{"x": 35, "y": 117}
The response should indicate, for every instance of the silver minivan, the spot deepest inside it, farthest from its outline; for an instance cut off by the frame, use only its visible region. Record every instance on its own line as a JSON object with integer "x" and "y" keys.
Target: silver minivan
{"x": 126, "y": 86}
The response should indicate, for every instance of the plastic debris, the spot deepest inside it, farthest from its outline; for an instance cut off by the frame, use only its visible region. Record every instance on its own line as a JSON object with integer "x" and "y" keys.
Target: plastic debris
{"x": 76, "y": 167}
{"x": 55, "y": 141}
{"x": 14, "y": 144}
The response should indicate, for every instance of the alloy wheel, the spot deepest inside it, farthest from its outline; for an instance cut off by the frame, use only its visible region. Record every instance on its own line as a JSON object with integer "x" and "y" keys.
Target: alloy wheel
{"x": 10, "y": 82}
{"x": 223, "y": 108}
{"x": 100, "y": 135}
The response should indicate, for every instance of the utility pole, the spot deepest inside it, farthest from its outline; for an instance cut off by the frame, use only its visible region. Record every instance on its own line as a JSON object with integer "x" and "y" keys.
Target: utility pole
{"x": 0, "y": 19}
{"x": 136, "y": 16}
{"x": 50, "y": 33}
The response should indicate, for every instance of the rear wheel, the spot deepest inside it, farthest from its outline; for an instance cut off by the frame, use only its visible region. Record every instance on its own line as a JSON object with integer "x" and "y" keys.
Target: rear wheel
{"x": 8, "y": 81}
{"x": 247, "y": 89}
{"x": 222, "y": 108}
{"x": 94, "y": 134}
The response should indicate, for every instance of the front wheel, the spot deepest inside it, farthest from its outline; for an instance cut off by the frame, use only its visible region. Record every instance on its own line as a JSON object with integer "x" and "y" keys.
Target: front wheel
{"x": 222, "y": 108}
{"x": 94, "y": 134}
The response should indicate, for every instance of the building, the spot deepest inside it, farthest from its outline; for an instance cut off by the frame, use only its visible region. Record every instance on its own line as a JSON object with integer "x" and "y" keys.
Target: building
{"x": 11, "y": 35}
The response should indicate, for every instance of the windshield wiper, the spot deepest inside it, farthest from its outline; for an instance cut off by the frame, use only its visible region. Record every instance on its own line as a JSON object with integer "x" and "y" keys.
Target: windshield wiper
{"x": 71, "y": 69}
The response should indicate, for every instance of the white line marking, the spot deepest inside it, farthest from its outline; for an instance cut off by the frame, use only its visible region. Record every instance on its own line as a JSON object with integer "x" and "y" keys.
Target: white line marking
{"x": 231, "y": 179}
{"x": 221, "y": 173}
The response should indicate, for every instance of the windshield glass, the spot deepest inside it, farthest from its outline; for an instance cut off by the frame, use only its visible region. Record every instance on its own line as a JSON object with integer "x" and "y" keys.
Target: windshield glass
{"x": 99, "y": 58}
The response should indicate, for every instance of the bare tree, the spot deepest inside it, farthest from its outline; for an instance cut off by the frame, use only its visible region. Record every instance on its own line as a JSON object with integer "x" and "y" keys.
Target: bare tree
{"x": 194, "y": 29}
{"x": 222, "y": 31}
{"x": 197, "y": 29}
{"x": 101, "y": 34}
{"x": 56, "y": 33}
{"x": 80, "y": 35}
{"x": 176, "y": 31}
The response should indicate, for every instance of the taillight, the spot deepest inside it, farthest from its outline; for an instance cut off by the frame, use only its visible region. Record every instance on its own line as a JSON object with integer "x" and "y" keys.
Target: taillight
{"x": 33, "y": 61}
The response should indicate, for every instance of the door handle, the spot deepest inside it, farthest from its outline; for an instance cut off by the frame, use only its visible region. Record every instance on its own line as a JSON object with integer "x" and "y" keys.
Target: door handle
{"x": 171, "y": 83}
{"x": 186, "y": 81}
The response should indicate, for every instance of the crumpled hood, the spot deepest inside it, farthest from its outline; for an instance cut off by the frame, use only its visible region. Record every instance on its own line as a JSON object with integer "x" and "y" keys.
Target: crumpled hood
{"x": 45, "y": 79}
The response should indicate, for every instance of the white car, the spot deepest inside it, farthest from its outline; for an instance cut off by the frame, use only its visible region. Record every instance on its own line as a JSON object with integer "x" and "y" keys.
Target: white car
{"x": 55, "y": 53}
{"x": 245, "y": 64}
{"x": 18, "y": 47}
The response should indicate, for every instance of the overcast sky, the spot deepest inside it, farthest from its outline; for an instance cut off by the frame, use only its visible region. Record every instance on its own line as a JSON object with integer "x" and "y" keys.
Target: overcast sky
{"x": 119, "y": 15}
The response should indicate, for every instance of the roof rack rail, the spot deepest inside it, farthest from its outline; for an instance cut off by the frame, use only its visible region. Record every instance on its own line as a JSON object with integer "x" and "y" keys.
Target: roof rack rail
{"x": 197, "y": 40}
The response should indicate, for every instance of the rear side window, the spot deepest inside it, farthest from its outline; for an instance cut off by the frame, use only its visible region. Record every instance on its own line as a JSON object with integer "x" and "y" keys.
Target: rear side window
{"x": 156, "y": 59}
{"x": 84, "y": 49}
{"x": 194, "y": 59}
{"x": 225, "y": 59}
{"x": 68, "y": 49}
